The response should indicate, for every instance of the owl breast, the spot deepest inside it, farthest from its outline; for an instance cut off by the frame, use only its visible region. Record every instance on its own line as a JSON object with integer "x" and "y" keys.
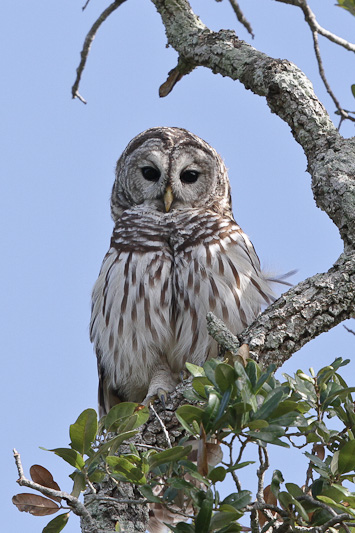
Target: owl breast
{"x": 161, "y": 276}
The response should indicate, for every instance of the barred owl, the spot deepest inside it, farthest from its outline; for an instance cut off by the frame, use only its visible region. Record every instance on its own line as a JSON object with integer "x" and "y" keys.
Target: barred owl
{"x": 176, "y": 253}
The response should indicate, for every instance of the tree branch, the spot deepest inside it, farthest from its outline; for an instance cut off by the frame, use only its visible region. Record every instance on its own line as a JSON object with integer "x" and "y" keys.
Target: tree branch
{"x": 87, "y": 45}
{"x": 315, "y": 26}
{"x": 317, "y": 29}
{"x": 75, "y": 504}
{"x": 241, "y": 17}
{"x": 288, "y": 93}
{"x": 312, "y": 307}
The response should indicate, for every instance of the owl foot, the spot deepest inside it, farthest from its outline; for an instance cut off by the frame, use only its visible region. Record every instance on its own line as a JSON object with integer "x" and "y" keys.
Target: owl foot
{"x": 184, "y": 374}
{"x": 163, "y": 396}
{"x": 160, "y": 395}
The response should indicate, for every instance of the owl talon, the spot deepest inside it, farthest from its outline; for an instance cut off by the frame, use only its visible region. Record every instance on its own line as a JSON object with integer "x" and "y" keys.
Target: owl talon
{"x": 163, "y": 397}
{"x": 183, "y": 375}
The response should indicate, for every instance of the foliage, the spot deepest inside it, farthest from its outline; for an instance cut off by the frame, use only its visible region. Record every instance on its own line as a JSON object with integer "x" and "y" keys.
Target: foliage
{"x": 349, "y": 5}
{"x": 236, "y": 406}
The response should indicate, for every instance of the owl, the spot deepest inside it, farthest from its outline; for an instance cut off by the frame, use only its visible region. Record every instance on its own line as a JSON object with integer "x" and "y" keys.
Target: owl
{"x": 176, "y": 253}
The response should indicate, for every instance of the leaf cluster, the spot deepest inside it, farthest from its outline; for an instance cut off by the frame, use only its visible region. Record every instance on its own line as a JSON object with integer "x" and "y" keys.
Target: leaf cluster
{"x": 235, "y": 406}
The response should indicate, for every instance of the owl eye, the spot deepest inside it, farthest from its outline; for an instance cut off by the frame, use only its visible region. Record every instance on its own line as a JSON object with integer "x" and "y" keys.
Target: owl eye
{"x": 189, "y": 176}
{"x": 150, "y": 173}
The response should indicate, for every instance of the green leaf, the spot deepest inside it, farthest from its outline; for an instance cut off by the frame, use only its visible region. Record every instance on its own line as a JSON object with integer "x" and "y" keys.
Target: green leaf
{"x": 186, "y": 414}
{"x": 79, "y": 483}
{"x": 111, "y": 446}
{"x": 126, "y": 470}
{"x": 302, "y": 511}
{"x": 353, "y": 89}
{"x": 97, "y": 476}
{"x": 210, "y": 411}
{"x": 258, "y": 424}
{"x": 147, "y": 492}
{"x": 69, "y": 455}
{"x": 277, "y": 479}
{"x": 217, "y": 474}
{"x": 240, "y": 465}
{"x": 270, "y": 404}
{"x": 181, "y": 527}
{"x": 223, "y": 519}
{"x": 318, "y": 462}
{"x": 292, "y": 419}
{"x": 320, "y": 517}
{"x": 285, "y": 499}
{"x": 294, "y": 490}
{"x": 224, "y": 376}
{"x": 238, "y": 500}
{"x": 346, "y": 461}
{"x": 288, "y": 406}
{"x": 349, "y": 5}
{"x": 334, "y": 468}
{"x": 304, "y": 377}
{"x": 335, "y": 505}
{"x": 271, "y": 435}
{"x": 264, "y": 377}
{"x": 57, "y": 524}
{"x": 335, "y": 492}
{"x": 83, "y": 431}
{"x": 126, "y": 416}
{"x": 222, "y": 414}
{"x": 202, "y": 520}
{"x": 168, "y": 456}
{"x": 179, "y": 483}
{"x": 199, "y": 384}
{"x": 195, "y": 370}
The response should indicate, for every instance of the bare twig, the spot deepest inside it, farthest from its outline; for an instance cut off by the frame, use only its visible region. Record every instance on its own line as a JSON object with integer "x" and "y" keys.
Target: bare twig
{"x": 349, "y": 330}
{"x": 140, "y": 445}
{"x": 317, "y": 29}
{"x": 85, "y": 5}
{"x": 77, "y": 507}
{"x": 261, "y": 506}
{"x": 166, "y": 434}
{"x": 343, "y": 114}
{"x": 264, "y": 465}
{"x": 313, "y": 23}
{"x": 241, "y": 17}
{"x": 87, "y": 45}
{"x": 231, "y": 462}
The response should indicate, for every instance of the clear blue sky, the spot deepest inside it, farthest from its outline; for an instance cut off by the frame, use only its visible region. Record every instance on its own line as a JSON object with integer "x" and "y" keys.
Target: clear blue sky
{"x": 57, "y": 169}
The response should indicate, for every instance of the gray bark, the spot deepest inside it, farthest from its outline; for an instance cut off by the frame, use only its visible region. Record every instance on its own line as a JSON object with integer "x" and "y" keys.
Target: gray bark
{"x": 109, "y": 505}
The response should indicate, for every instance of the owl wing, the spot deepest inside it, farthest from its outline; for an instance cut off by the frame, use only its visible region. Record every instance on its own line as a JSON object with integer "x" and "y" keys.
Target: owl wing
{"x": 131, "y": 312}
{"x": 216, "y": 270}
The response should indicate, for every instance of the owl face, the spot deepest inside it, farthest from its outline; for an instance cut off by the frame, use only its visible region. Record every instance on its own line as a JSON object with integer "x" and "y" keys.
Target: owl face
{"x": 167, "y": 169}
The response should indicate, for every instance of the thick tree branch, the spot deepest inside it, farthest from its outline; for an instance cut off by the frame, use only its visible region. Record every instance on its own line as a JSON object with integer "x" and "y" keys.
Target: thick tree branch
{"x": 312, "y": 307}
{"x": 289, "y": 94}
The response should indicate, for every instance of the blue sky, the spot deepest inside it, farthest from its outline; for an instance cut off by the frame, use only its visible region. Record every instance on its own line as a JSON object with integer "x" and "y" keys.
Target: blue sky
{"x": 57, "y": 169}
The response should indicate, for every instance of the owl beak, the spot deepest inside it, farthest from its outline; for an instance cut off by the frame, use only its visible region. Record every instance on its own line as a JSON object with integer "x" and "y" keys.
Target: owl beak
{"x": 168, "y": 198}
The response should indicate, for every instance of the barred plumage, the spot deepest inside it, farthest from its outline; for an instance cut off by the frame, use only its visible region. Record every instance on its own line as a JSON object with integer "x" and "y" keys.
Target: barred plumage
{"x": 176, "y": 253}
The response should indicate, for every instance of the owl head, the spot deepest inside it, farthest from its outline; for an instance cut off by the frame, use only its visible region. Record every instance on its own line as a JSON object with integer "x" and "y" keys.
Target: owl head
{"x": 170, "y": 168}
